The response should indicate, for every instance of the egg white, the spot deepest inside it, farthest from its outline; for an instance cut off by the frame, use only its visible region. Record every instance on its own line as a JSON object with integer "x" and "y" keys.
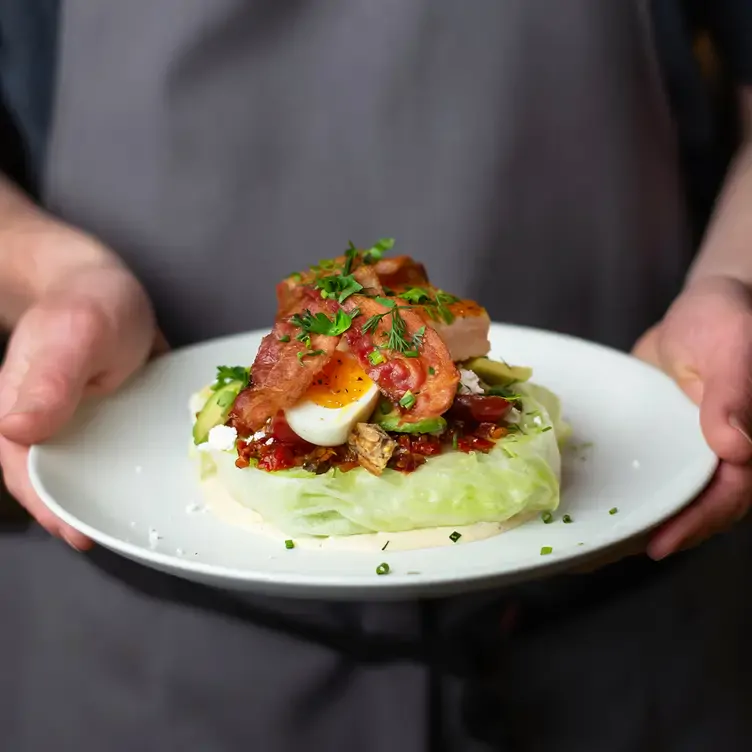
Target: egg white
{"x": 330, "y": 426}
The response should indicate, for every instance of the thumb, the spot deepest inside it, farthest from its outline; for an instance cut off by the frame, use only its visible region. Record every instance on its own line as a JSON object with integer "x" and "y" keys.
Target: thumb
{"x": 726, "y": 408}
{"x": 51, "y": 358}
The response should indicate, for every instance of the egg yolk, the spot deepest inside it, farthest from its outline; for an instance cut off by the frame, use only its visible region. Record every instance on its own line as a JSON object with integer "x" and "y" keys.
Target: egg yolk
{"x": 342, "y": 382}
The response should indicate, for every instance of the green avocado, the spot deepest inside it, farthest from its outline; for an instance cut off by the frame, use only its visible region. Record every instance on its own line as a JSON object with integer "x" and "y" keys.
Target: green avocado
{"x": 494, "y": 373}
{"x": 215, "y": 411}
{"x": 391, "y": 419}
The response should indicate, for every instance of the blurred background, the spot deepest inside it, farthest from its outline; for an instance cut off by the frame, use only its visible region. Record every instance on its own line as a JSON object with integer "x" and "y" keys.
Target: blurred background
{"x": 699, "y": 58}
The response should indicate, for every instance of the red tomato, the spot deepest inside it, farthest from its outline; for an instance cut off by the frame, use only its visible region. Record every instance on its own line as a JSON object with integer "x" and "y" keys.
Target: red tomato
{"x": 279, "y": 457}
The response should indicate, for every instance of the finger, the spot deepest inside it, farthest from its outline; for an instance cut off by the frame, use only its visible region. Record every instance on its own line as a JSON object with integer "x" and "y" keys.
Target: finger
{"x": 160, "y": 346}
{"x": 51, "y": 358}
{"x": 726, "y": 500}
{"x": 726, "y": 409}
{"x": 15, "y": 473}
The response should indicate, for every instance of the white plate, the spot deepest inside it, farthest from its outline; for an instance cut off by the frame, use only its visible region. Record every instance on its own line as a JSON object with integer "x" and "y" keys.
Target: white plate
{"x": 122, "y": 476}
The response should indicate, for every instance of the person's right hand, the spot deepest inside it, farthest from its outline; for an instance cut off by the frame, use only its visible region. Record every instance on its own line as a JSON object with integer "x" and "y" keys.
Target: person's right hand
{"x": 85, "y": 334}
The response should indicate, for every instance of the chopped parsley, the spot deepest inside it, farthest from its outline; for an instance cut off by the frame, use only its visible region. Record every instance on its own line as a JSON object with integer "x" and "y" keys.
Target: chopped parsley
{"x": 338, "y": 286}
{"x": 408, "y": 400}
{"x": 320, "y": 323}
{"x": 228, "y": 374}
{"x": 383, "y": 568}
{"x": 377, "y": 250}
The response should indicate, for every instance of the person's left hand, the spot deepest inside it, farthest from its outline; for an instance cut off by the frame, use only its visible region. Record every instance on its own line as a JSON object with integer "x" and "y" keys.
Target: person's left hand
{"x": 705, "y": 344}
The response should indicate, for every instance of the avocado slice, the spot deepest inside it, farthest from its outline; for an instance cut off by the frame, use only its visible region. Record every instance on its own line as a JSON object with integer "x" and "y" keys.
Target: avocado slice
{"x": 494, "y": 373}
{"x": 391, "y": 419}
{"x": 215, "y": 411}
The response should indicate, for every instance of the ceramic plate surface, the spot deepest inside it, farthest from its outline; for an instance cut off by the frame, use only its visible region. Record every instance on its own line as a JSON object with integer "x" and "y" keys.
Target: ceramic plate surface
{"x": 121, "y": 475}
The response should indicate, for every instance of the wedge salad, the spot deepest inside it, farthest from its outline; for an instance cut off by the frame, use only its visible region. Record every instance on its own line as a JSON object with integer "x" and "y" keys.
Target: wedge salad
{"x": 373, "y": 406}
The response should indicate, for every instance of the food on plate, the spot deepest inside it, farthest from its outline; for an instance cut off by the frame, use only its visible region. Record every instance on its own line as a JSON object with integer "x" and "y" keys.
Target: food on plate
{"x": 373, "y": 405}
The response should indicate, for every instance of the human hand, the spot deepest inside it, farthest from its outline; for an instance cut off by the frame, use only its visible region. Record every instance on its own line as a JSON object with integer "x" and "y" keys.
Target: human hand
{"x": 85, "y": 335}
{"x": 705, "y": 344}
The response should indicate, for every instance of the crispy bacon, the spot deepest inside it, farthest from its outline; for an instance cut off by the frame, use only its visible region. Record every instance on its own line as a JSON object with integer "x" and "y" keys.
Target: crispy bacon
{"x": 431, "y": 377}
{"x": 280, "y": 377}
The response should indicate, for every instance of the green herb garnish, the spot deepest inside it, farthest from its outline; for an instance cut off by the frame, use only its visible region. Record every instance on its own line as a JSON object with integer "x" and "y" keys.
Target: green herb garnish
{"x": 614, "y": 510}
{"x": 284, "y": 338}
{"x": 416, "y": 295}
{"x": 228, "y": 374}
{"x": 455, "y": 536}
{"x": 455, "y": 440}
{"x": 566, "y": 519}
{"x": 431, "y": 370}
{"x": 377, "y": 251}
{"x": 320, "y": 323}
{"x": 383, "y": 548}
{"x": 338, "y": 286}
{"x": 547, "y": 517}
{"x": 289, "y": 544}
{"x": 408, "y": 400}
{"x": 383, "y": 568}
{"x": 376, "y": 358}
{"x": 546, "y": 550}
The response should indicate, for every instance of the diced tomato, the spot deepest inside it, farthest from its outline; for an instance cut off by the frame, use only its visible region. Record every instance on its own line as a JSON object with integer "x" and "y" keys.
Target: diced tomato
{"x": 426, "y": 445}
{"x": 474, "y": 444}
{"x": 279, "y": 457}
{"x": 478, "y": 408}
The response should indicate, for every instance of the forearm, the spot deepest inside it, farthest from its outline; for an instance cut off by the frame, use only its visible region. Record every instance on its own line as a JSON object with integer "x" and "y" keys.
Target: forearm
{"x": 37, "y": 252}
{"x": 727, "y": 248}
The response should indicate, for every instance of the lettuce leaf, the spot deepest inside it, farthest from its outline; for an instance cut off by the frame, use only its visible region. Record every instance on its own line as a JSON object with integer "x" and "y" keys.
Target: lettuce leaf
{"x": 521, "y": 474}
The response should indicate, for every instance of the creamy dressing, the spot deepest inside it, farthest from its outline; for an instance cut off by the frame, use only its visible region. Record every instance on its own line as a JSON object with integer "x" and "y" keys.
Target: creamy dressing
{"x": 223, "y": 506}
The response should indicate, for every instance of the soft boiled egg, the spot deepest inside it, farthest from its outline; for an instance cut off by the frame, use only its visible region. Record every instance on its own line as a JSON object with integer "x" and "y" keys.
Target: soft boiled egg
{"x": 341, "y": 396}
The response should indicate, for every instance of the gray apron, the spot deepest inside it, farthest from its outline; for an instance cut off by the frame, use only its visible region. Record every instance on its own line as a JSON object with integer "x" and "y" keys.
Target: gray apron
{"x": 526, "y": 152}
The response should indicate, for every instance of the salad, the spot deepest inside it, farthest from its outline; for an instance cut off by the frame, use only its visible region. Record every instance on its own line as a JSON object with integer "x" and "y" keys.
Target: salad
{"x": 373, "y": 406}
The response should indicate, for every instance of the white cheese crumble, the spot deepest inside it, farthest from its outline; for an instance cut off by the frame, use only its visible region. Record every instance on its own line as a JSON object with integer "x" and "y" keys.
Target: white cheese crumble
{"x": 469, "y": 382}
{"x": 222, "y": 438}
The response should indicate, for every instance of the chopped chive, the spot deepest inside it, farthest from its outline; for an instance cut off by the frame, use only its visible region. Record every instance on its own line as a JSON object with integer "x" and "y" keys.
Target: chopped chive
{"x": 455, "y": 440}
{"x": 547, "y": 428}
{"x": 546, "y": 550}
{"x": 547, "y": 517}
{"x": 455, "y": 536}
{"x": 383, "y": 568}
{"x": 383, "y": 548}
{"x": 566, "y": 519}
{"x": 411, "y": 354}
{"x": 284, "y": 338}
{"x": 375, "y": 357}
{"x": 613, "y": 510}
{"x": 408, "y": 400}
{"x": 431, "y": 370}
{"x": 297, "y": 276}
{"x": 289, "y": 544}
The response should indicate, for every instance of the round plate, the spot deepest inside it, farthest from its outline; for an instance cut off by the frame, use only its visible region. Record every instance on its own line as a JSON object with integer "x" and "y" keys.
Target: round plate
{"x": 121, "y": 475}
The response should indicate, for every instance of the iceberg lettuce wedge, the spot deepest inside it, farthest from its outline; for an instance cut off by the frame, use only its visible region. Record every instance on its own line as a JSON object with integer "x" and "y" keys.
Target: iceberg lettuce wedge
{"x": 521, "y": 474}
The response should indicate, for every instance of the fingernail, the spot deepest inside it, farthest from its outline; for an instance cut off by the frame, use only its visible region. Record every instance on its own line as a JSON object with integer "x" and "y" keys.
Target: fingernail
{"x": 71, "y": 539}
{"x": 735, "y": 423}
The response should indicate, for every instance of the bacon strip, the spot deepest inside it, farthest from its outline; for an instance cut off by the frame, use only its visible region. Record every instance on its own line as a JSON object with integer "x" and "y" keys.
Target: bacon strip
{"x": 431, "y": 377}
{"x": 279, "y": 377}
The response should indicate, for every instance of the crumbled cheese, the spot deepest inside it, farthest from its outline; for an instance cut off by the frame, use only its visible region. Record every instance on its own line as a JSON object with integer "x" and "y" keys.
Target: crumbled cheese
{"x": 469, "y": 382}
{"x": 222, "y": 438}
{"x": 515, "y": 416}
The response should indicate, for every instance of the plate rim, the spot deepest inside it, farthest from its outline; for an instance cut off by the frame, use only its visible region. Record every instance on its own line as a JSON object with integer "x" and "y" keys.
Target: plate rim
{"x": 395, "y": 584}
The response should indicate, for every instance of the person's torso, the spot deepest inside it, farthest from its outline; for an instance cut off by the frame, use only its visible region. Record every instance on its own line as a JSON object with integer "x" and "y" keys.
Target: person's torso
{"x": 525, "y": 155}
